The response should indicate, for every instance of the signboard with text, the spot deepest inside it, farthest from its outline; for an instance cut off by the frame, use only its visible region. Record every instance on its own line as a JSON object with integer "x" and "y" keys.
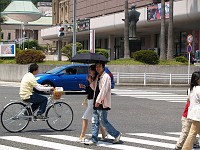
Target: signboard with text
{"x": 7, "y": 50}
{"x": 83, "y": 25}
{"x": 154, "y": 11}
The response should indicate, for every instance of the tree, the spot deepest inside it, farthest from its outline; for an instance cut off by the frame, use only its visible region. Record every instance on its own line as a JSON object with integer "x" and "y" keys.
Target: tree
{"x": 67, "y": 49}
{"x": 126, "y": 32}
{"x": 162, "y": 32}
{"x": 170, "y": 32}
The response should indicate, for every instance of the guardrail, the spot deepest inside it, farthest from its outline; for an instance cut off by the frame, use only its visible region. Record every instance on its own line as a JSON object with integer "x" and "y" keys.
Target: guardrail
{"x": 149, "y": 78}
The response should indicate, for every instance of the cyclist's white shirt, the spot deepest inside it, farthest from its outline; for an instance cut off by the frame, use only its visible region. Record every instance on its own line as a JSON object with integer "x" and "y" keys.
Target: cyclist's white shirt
{"x": 27, "y": 84}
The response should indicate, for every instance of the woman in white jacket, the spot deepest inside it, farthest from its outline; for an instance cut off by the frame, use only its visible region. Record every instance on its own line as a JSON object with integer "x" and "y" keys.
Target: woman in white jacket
{"x": 194, "y": 110}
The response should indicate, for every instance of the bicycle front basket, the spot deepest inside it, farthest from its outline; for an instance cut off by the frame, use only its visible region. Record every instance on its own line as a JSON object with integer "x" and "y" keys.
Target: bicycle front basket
{"x": 57, "y": 93}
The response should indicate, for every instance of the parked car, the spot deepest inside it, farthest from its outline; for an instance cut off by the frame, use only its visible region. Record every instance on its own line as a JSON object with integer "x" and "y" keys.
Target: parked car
{"x": 68, "y": 76}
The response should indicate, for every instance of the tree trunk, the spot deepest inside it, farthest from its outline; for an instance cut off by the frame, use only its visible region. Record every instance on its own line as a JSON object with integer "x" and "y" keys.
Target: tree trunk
{"x": 170, "y": 32}
{"x": 126, "y": 32}
{"x": 162, "y": 32}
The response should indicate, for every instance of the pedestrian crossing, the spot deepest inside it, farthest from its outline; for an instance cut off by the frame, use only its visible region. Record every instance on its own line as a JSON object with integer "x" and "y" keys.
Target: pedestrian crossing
{"x": 144, "y": 93}
{"x": 131, "y": 141}
{"x": 152, "y": 95}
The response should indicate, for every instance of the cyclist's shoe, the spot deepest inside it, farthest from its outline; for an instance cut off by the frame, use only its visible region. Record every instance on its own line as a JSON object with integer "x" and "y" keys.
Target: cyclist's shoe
{"x": 40, "y": 117}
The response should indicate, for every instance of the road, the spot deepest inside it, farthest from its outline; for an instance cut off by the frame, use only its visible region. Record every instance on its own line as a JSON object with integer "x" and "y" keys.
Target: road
{"x": 148, "y": 117}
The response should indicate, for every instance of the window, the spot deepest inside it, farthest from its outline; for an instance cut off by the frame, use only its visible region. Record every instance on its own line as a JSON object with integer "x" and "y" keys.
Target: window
{"x": 82, "y": 70}
{"x": 2, "y": 36}
{"x": 9, "y": 36}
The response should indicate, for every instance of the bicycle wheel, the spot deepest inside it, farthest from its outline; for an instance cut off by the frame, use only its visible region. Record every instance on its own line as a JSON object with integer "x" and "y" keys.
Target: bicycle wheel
{"x": 60, "y": 116}
{"x": 14, "y": 117}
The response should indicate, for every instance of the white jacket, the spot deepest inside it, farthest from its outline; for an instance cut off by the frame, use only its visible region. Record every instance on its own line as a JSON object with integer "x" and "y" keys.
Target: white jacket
{"x": 194, "y": 108}
{"x": 104, "y": 96}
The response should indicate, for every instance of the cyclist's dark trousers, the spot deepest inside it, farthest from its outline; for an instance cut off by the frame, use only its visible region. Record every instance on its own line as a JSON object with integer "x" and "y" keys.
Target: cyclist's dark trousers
{"x": 38, "y": 100}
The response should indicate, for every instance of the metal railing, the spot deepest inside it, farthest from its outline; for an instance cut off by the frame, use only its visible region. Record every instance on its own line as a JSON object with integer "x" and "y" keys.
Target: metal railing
{"x": 149, "y": 78}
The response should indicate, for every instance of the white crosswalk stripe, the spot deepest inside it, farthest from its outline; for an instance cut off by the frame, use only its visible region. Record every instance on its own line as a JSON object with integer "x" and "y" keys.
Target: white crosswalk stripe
{"x": 152, "y": 95}
{"x": 9, "y": 84}
{"x": 164, "y": 141}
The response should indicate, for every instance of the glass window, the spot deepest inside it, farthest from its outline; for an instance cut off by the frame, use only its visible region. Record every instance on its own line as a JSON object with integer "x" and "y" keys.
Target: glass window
{"x": 82, "y": 70}
{"x": 2, "y": 36}
{"x": 9, "y": 36}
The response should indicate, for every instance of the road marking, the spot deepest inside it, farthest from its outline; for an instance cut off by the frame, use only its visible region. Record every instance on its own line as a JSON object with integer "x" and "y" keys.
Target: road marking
{"x": 155, "y": 136}
{"x": 152, "y": 95}
{"x": 174, "y": 133}
{"x": 100, "y": 143}
{"x": 42, "y": 143}
{"x": 3, "y": 147}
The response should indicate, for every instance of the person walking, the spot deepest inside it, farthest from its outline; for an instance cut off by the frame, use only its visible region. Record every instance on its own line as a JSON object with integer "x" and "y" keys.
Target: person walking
{"x": 186, "y": 124}
{"x": 193, "y": 111}
{"x": 88, "y": 112}
{"x": 101, "y": 105}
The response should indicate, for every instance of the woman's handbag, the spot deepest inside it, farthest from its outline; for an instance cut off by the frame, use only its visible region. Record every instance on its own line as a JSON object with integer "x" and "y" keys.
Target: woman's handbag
{"x": 85, "y": 102}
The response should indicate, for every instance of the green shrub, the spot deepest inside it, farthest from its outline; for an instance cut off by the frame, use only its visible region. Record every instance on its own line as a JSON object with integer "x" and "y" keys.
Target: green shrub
{"x": 146, "y": 56}
{"x": 82, "y": 51}
{"x": 103, "y": 52}
{"x": 67, "y": 49}
{"x": 181, "y": 59}
{"x": 29, "y": 56}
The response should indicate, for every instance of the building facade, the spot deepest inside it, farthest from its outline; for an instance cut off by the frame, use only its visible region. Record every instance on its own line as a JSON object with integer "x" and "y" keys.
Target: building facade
{"x": 16, "y": 31}
{"x": 106, "y": 19}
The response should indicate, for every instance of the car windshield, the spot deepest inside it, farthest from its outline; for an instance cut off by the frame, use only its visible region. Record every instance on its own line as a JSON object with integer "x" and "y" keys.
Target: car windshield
{"x": 55, "y": 70}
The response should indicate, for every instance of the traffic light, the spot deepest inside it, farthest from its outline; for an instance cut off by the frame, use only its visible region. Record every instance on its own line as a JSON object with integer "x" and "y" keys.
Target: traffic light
{"x": 61, "y": 31}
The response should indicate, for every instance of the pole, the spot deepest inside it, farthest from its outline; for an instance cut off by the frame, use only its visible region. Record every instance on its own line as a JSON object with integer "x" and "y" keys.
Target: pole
{"x": 59, "y": 48}
{"x": 74, "y": 30}
{"x": 189, "y": 68}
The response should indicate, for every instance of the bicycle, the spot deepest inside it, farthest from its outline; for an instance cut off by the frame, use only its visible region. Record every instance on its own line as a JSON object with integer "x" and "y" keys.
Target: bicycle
{"x": 16, "y": 115}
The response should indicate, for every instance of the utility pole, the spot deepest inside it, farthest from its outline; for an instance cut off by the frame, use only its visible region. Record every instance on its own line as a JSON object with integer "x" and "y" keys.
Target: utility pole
{"x": 126, "y": 32}
{"x": 74, "y": 30}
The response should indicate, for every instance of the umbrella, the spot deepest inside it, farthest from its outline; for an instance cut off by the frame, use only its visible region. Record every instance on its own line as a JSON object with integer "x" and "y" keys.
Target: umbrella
{"x": 89, "y": 58}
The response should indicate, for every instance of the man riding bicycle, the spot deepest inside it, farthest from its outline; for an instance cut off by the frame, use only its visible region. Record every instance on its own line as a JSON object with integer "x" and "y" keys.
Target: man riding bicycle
{"x": 27, "y": 94}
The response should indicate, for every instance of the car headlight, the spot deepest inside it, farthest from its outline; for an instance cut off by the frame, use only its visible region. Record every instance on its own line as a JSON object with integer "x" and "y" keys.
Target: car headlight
{"x": 37, "y": 78}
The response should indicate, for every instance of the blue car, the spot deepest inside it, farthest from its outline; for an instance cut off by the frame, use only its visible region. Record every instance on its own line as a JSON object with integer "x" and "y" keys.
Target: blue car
{"x": 68, "y": 76}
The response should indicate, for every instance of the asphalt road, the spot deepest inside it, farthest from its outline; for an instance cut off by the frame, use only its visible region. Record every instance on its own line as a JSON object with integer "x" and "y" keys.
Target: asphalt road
{"x": 144, "y": 115}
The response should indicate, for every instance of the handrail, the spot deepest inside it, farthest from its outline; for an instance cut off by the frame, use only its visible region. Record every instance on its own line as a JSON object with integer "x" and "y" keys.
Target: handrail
{"x": 147, "y": 77}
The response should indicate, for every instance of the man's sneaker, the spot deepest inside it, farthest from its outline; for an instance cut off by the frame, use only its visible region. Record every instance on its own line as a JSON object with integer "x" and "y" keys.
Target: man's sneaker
{"x": 117, "y": 139}
{"x": 81, "y": 140}
{"x": 40, "y": 117}
{"x": 178, "y": 148}
{"x": 89, "y": 142}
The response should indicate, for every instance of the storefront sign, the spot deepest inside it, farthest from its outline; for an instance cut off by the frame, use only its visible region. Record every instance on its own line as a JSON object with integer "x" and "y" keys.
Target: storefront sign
{"x": 7, "y": 50}
{"x": 154, "y": 11}
{"x": 83, "y": 25}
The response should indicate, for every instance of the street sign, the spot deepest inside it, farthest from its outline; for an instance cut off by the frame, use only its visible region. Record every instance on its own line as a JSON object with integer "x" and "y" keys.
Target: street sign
{"x": 189, "y": 48}
{"x": 189, "y": 38}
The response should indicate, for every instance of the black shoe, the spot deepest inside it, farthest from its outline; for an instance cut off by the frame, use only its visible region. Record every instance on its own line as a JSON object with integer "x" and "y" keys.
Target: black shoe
{"x": 196, "y": 145}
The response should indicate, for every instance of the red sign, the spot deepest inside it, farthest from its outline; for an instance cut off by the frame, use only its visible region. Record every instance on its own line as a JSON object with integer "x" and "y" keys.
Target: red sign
{"x": 189, "y": 38}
